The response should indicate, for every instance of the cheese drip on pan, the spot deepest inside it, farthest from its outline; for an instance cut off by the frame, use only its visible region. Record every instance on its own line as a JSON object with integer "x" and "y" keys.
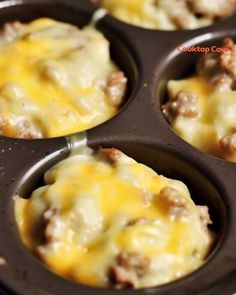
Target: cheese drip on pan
{"x": 104, "y": 220}
{"x": 56, "y": 79}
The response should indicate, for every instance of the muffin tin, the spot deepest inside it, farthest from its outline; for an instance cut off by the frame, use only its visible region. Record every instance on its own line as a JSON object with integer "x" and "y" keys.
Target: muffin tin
{"x": 149, "y": 58}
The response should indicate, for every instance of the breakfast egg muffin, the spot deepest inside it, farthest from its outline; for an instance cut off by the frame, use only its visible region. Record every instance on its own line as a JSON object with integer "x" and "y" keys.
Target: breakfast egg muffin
{"x": 171, "y": 14}
{"x": 104, "y": 220}
{"x": 202, "y": 108}
{"x": 56, "y": 79}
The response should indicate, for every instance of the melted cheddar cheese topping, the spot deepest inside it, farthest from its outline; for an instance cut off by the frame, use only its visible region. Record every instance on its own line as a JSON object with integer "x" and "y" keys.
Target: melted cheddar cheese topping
{"x": 216, "y": 116}
{"x": 168, "y": 15}
{"x": 103, "y": 219}
{"x": 55, "y": 79}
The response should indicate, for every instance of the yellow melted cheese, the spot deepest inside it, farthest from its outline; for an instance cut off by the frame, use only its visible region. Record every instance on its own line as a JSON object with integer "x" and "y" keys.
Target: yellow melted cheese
{"x": 53, "y": 79}
{"x": 90, "y": 207}
{"x": 217, "y": 108}
{"x": 149, "y": 14}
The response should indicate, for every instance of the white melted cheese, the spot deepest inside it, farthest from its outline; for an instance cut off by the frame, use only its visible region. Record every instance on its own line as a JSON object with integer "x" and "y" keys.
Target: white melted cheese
{"x": 91, "y": 210}
{"x": 54, "y": 79}
{"x": 150, "y": 14}
{"x": 217, "y": 118}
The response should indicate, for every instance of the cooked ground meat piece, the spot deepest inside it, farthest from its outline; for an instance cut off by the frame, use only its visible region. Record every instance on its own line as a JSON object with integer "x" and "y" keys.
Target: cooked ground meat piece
{"x": 128, "y": 267}
{"x": 181, "y": 15}
{"x": 24, "y": 130}
{"x": 228, "y": 60}
{"x": 10, "y": 30}
{"x": 220, "y": 68}
{"x": 115, "y": 88}
{"x": 214, "y": 9}
{"x": 186, "y": 13}
{"x": 173, "y": 201}
{"x": 207, "y": 65}
{"x": 53, "y": 225}
{"x": 204, "y": 216}
{"x": 223, "y": 81}
{"x": 112, "y": 155}
{"x": 133, "y": 262}
{"x": 185, "y": 104}
{"x": 228, "y": 143}
{"x": 120, "y": 278}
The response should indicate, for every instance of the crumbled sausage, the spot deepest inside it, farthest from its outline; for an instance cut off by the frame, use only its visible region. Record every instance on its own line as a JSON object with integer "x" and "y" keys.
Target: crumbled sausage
{"x": 133, "y": 262}
{"x": 11, "y": 30}
{"x": 173, "y": 202}
{"x": 185, "y": 104}
{"x": 53, "y": 225}
{"x": 110, "y": 154}
{"x": 184, "y": 23}
{"x": 216, "y": 9}
{"x": 186, "y": 14}
{"x": 181, "y": 15}
{"x": 116, "y": 87}
{"x": 223, "y": 81}
{"x": 120, "y": 278}
{"x": 204, "y": 216}
{"x": 220, "y": 68}
{"x": 128, "y": 267}
{"x": 228, "y": 59}
{"x": 208, "y": 65}
{"x": 228, "y": 143}
{"x": 24, "y": 130}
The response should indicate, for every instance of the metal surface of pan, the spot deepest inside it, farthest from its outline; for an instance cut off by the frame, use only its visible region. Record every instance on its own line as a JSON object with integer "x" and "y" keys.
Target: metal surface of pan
{"x": 149, "y": 58}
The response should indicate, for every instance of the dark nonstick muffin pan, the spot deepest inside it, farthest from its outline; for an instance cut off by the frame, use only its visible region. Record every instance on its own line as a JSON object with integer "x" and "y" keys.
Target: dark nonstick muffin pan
{"x": 149, "y": 59}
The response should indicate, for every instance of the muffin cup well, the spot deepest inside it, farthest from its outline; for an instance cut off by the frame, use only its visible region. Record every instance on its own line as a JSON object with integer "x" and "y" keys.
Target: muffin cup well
{"x": 183, "y": 65}
{"x": 23, "y": 269}
{"x": 79, "y": 14}
{"x": 214, "y": 25}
